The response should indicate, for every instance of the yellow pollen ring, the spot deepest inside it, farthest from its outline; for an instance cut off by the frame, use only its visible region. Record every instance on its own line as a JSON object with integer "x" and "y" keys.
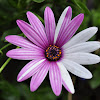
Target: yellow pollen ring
{"x": 53, "y": 53}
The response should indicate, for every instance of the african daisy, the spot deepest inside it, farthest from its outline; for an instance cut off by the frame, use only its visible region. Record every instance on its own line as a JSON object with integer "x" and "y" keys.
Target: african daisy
{"x": 52, "y": 49}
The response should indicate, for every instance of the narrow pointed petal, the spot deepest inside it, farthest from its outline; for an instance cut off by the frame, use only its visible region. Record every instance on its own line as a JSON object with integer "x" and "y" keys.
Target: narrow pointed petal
{"x": 49, "y": 24}
{"x": 83, "y": 47}
{"x": 25, "y": 54}
{"x": 55, "y": 78}
{"x": 31, "y": 34}
{"x": 77, "y": 69}
{"x": 83, "y": 58}
{"x": 30, "y": 69}
{"x": 21, "y": 42}
{"x": 38, "y": 78}
{"x": 67, "y": 82}
{"x": 64, "y": 20}
{"x": 70, "y": 30}
{"x": 37, "y": 26}
{"x": 82, "y": 36}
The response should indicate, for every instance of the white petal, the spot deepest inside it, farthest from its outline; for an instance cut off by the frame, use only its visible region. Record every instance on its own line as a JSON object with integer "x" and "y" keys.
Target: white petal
{"x": 60, "y": 22}
{"x": 82, "y": 36}
{"x": 83, "y": 47}
{"x": 66, "y": 77}
{"x": 83, "y": 58}
{"x": 77, "y": 69}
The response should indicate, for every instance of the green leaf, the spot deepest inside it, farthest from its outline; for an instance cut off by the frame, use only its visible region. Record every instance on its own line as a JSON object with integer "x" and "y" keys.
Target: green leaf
{"x": 13, "y": 31}
{"x": 95, "y": 17}
{"x": 40, "y": 18}
{"x": 5, "y": 46}
{"x": 1, "y": 52}
{"x": 12, "y": 3}
{"x": 82, "y": 6}
{"x": 38, "y": 1}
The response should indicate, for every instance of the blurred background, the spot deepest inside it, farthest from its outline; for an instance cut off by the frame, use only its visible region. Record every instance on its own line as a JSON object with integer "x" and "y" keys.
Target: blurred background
{"x": 10, "y": 11}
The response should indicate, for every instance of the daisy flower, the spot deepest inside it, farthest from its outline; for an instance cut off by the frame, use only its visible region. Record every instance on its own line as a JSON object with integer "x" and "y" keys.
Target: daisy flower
{"x": 52, "y": 48}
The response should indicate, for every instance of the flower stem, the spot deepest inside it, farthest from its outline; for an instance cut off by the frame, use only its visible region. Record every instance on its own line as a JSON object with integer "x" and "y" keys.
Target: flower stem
{"x": 7, "y": 61}
{"x": 69, "y": 96}
{"x": 3, "y": 66}
{"x": 5, "y": 46}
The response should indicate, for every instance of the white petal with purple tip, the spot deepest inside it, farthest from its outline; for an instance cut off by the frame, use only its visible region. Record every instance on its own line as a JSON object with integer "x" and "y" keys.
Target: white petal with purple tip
{"x": 67, "y": 82}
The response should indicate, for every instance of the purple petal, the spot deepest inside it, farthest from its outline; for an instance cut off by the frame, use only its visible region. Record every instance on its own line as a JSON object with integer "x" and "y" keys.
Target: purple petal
{"x": 25, "y": 54}
{"x": 55, "y": 78}
{"x": 38, "y": 78}
{"x": 21, "y": 42}
{"x": 64, "y": 20}
{"x": 30, "y": 69}
{"x": 31, "y": 34}
{"x": 49, "y": 24}
{"x": 70, "y": 30}
{"x": 37, "y": 26}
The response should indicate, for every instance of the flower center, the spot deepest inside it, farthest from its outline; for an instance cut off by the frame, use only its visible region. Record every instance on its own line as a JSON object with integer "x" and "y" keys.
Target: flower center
{"x": 53, "y": 53}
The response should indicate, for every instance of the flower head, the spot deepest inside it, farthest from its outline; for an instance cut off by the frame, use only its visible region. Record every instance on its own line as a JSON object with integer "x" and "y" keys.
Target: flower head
{"x": 54, "y": 49}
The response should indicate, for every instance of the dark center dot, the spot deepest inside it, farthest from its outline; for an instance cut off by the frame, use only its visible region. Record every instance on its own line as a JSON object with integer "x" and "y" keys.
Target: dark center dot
{"x": 53, "y": 53}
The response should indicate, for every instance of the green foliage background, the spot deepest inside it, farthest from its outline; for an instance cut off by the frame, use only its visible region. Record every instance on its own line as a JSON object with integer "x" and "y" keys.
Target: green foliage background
{"x": 10, "y": 11}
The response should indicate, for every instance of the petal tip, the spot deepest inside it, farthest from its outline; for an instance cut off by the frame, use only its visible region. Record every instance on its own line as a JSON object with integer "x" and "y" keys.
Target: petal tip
{"x": 47, "y": 7}
{"x": 29, "y": 13}
{"x": 6, "y": 38}
{"x": 69, "y": 7}
{"x": 95, "y": 29}
{"x": 8, "y": 54}
{"x": 18, "y": 21}
{"x": 98, "y": 58}
{"x": 32, "y": 88}
{"x": 19, "y": 79}
{"x": 57, "y": 93}
{"x": 73, "y": 91}
{"x": 82, "y": 15}
{"x": 9, "y": 38}
{"x": 89, "y": 76}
